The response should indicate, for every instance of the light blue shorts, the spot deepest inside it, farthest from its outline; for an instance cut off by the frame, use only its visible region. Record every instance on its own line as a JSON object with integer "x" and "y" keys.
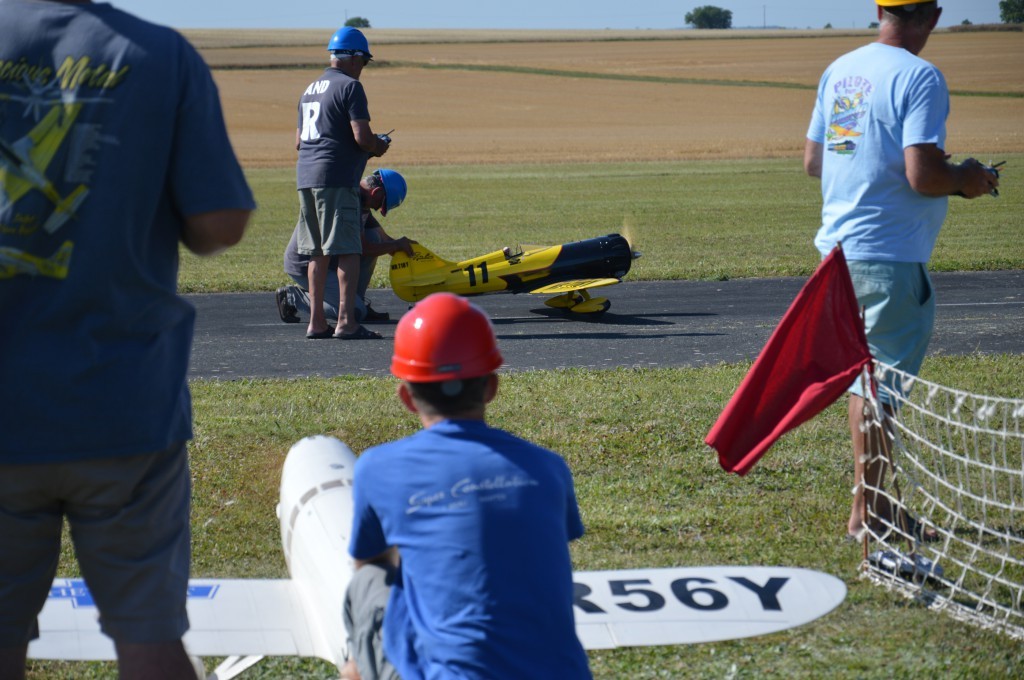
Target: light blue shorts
{"x": 129, "y": 520}
{"x": 899, "y": 314}
{"x": 330, "y": 221}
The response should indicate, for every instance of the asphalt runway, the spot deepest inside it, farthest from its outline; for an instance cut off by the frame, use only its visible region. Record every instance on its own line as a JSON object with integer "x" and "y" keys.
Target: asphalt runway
{"x": 650, "y": 324}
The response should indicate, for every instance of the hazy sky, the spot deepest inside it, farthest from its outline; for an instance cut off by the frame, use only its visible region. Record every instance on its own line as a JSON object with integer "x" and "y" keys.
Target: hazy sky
{"x": 586, "y": 14}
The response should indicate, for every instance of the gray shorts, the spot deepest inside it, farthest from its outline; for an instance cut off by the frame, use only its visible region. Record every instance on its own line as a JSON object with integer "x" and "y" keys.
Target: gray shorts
{"x": 330, "y": 221}
{"x": 129, "y": 520}
{"x": 365, "y": 602}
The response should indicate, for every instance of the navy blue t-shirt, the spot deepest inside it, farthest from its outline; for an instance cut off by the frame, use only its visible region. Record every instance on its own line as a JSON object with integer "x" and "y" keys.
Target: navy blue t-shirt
{"x": 118, "y": 131}
{"x": 328, "y": 153}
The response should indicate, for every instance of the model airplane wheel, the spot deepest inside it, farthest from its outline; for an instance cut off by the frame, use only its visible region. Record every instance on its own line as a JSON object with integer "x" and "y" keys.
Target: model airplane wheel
{"x": 589, "y": 309}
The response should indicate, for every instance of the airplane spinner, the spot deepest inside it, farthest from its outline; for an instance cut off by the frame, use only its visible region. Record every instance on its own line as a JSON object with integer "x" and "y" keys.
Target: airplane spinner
{"x": 568, "y": 271}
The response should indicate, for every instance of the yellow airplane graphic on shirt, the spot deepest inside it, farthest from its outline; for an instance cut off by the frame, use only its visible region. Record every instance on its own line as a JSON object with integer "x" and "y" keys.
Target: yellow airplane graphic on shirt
{"x": 23, "y": 164}
{"x": 14, "y": 262}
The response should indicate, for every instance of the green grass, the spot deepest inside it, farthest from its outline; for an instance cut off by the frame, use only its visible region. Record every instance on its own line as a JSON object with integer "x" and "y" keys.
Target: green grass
{"x": 692, "y": 220}
{"x": 651, "y": 494}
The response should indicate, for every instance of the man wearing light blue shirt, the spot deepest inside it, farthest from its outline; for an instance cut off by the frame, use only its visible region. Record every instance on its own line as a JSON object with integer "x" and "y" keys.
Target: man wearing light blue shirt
{"x": 876, "y": 140}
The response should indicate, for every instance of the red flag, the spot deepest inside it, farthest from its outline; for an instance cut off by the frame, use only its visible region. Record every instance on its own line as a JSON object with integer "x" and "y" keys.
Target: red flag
{"x": 814, "y": 355}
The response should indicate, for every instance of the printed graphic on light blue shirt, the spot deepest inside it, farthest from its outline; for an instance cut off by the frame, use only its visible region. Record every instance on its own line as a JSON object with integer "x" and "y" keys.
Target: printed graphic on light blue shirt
{"x": 849, "y": 110}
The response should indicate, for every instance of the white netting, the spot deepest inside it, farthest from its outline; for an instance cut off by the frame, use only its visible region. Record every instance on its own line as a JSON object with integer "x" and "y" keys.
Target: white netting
{"x": 955, "y": 464}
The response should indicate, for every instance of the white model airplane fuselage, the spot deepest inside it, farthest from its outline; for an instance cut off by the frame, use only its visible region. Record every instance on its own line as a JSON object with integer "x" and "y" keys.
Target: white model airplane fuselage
{"x": 245, "y": 619}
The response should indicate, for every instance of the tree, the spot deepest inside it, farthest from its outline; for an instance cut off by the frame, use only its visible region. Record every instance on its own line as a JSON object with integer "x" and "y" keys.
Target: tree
{"x": 358, "y": 22}
{"x": 709, "y": 16}
{"x": 966, "y": 22}
{"x": 828, "y": 26}
{"x": 1011, "y": 11}
{"x": 873, "y": 24}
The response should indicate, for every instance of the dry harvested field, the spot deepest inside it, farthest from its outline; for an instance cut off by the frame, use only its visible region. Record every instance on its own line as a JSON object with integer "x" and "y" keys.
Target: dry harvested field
{"x": 500, "y": 97}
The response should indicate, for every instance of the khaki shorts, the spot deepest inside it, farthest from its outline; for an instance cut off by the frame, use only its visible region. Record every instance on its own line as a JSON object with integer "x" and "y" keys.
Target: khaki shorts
{"x": 330, "y": 221}
{"x": 129, "y": 520}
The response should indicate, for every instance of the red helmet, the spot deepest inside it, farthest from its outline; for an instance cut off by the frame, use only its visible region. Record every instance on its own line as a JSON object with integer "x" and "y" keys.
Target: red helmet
{"x": 444, "y": 337}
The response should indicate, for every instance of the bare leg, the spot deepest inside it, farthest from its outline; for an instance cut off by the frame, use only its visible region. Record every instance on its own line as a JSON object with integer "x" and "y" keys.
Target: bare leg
{"x": 348, "y": 283}
{"x": 316, "y": 272}
{"x": 350, "y": 671}
{"x": 154, "y": 661}
{"x": 12, "y": 662}
{"x": 869, "y": 464}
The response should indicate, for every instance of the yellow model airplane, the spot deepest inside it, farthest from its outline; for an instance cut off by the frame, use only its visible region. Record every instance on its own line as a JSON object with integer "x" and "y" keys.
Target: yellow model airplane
{"x": 567, "y": 271}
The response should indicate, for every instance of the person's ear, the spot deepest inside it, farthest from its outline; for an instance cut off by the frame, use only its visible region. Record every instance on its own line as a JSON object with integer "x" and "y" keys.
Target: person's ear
{"x": 377, "y": 194}
{"x": 405, "y": 395}
{"x": 491, "y": 389}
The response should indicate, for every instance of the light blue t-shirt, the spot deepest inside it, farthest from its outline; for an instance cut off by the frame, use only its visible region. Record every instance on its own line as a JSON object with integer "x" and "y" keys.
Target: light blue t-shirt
{"x": 482, "y": 520}
{"x": 872, "y": 104}
{"x": 112, "y": 132}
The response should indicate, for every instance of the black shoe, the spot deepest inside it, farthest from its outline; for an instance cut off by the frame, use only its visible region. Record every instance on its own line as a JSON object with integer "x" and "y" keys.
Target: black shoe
{"x": 373, "y": 316}
{"x": 286, "y": 309}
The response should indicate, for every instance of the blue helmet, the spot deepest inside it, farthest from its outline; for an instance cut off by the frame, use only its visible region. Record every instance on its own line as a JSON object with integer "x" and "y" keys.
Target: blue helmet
{"x": 349, "y": 40}
{"x": 394, "y": 189}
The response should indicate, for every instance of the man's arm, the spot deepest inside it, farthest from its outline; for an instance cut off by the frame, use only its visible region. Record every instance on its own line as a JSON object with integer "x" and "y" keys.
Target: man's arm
{"x": 813, "y": 152}
{"x": 931, "y": 174}
{"x": 388, "y": 247}
{"x": 212, "y": 232}
{"x": 367, "y": 141}
{"x": 298, "y": 139}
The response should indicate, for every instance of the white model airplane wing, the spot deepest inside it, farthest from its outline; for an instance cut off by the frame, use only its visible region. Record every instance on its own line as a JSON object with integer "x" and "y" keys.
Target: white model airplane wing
{"x": 686, "y": 605}
{"x": 623, "y": 608}
{"x": 228, "y": 617}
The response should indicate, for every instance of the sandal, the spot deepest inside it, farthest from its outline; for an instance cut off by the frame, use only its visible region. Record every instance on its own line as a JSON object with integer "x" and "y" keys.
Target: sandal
{"x": 920, "y": 532}
{"x": 361, "y": 333}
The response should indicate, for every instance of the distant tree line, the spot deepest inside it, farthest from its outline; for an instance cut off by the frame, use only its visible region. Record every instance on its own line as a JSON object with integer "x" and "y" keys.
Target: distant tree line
{"x": 358, "y": 22}
{"x": 1011, "y": 11}
{"x": 709, "y": 16}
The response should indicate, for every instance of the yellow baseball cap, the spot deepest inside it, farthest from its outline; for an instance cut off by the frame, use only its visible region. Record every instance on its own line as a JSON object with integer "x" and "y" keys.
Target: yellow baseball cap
{"x": 899, "y": 3}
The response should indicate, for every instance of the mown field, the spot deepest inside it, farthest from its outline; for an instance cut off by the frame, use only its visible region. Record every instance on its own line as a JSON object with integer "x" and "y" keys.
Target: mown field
{"x": 614, "y": 100}
{"x": 692, "y": 148}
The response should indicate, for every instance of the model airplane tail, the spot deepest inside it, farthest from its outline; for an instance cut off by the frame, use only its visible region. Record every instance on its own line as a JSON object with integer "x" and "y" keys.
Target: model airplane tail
{"x": 422, "y": 269}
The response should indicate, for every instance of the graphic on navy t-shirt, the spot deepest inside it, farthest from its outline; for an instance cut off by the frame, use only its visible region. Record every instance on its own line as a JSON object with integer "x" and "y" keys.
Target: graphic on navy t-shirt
{"x": 47, "y": 154}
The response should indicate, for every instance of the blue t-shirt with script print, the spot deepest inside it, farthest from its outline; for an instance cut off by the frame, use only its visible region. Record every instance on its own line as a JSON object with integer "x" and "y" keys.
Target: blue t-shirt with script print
{"x": 483, "y": 521}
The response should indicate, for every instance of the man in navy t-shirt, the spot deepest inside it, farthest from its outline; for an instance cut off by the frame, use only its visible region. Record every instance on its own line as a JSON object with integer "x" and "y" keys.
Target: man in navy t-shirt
{"x": 113, "y": 150}
{"x": 334, "y": 141}
{"x": 469, "y": 526}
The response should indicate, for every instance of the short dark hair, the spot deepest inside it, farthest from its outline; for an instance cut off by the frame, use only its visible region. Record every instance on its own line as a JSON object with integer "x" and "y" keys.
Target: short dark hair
{"x": 449, "y": 398}
{"x": 917, "y": 14}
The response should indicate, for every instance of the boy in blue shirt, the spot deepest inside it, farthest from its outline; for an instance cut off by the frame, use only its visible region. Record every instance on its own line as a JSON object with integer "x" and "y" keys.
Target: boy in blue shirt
{"x": 468, "y": 525}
